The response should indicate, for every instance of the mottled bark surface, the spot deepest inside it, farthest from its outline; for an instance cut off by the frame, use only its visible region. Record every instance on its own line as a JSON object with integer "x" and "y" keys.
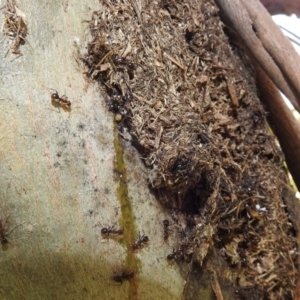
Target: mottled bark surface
{"x": 214, "y": 169}
{"x": 62, "y": 176}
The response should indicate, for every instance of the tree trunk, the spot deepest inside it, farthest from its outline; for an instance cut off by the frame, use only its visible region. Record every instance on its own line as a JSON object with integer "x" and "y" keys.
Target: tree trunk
{"x": 63, "y": 176}
{"x": 68, "y": 173}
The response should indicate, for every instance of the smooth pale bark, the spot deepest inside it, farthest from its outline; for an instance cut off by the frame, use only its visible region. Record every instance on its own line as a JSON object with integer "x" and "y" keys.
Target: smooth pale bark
{"x": 286, "y": 7}
{"x": 63, "y": 179}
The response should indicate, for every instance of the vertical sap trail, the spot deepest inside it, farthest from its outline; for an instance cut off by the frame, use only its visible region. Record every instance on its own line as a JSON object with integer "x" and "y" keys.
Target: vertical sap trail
{"x": 127, "y": 218}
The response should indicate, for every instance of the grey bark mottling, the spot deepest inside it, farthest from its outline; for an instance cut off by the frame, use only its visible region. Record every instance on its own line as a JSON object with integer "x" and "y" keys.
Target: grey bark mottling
{"x": 57, "y": 176}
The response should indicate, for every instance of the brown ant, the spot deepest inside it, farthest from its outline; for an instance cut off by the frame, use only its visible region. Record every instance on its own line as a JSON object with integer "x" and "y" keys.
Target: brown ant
{"x": 117, "y": 102}
{"x": 125, "y": 275}
{"x": 60, "y": 102}
{"x": 3, "y": 232}
{"x": 122, "y": 62}
{"x": 175, "y": 255}
{"x": 128, "y": 97}
{"x": 166, "y": 229}
{"x": 140, "y": 242}
{"x": 111, "y": 230}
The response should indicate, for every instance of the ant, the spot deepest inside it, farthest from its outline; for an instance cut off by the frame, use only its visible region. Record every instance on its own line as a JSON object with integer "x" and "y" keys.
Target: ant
{"x": 3, "y": 232}
{"x": 121, "y": 61}
{"x": 175, "y": 255}
{"x": 128, "y": 96}
{"x": 125, "y": 275}
{"x": 139, "y": 242}
{"x": 60, "y": 102}
{"x": 117, "y": 102}
{"x": 111, "y": 230}
{"x": 166, "y": 229}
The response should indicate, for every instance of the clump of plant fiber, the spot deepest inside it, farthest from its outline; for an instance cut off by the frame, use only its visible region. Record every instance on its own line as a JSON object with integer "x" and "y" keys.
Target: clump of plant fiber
{"x": 190, "y": 103}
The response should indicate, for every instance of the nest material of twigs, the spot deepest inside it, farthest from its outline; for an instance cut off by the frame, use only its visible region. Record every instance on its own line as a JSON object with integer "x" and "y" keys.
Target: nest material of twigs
{"x": 172, "y": 79}
{"x": 14, "y": 26}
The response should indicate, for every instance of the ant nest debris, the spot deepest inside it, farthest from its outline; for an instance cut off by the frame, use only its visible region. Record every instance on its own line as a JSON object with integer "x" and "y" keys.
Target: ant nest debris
{"x": 190, "y": 104}
{"x": 14, "y": 26}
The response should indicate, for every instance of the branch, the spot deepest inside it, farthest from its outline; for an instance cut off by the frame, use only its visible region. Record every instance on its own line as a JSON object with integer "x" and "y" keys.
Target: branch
{"x": 286, "y": 7}
{"x": 282, "y": 121}
{"x": 266, "y": 43}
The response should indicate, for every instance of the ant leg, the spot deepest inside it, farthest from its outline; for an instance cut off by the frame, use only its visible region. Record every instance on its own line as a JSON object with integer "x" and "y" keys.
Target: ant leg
{"x": 54, "y": 90}
{"x": 57, "y": 111}
{"x": 13, "y": 229}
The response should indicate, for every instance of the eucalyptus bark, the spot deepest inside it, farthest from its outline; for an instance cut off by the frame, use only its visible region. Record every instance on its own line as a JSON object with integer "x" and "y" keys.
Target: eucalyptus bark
{"x": 61, "y": 175}
{"x": 67, "y": 174}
